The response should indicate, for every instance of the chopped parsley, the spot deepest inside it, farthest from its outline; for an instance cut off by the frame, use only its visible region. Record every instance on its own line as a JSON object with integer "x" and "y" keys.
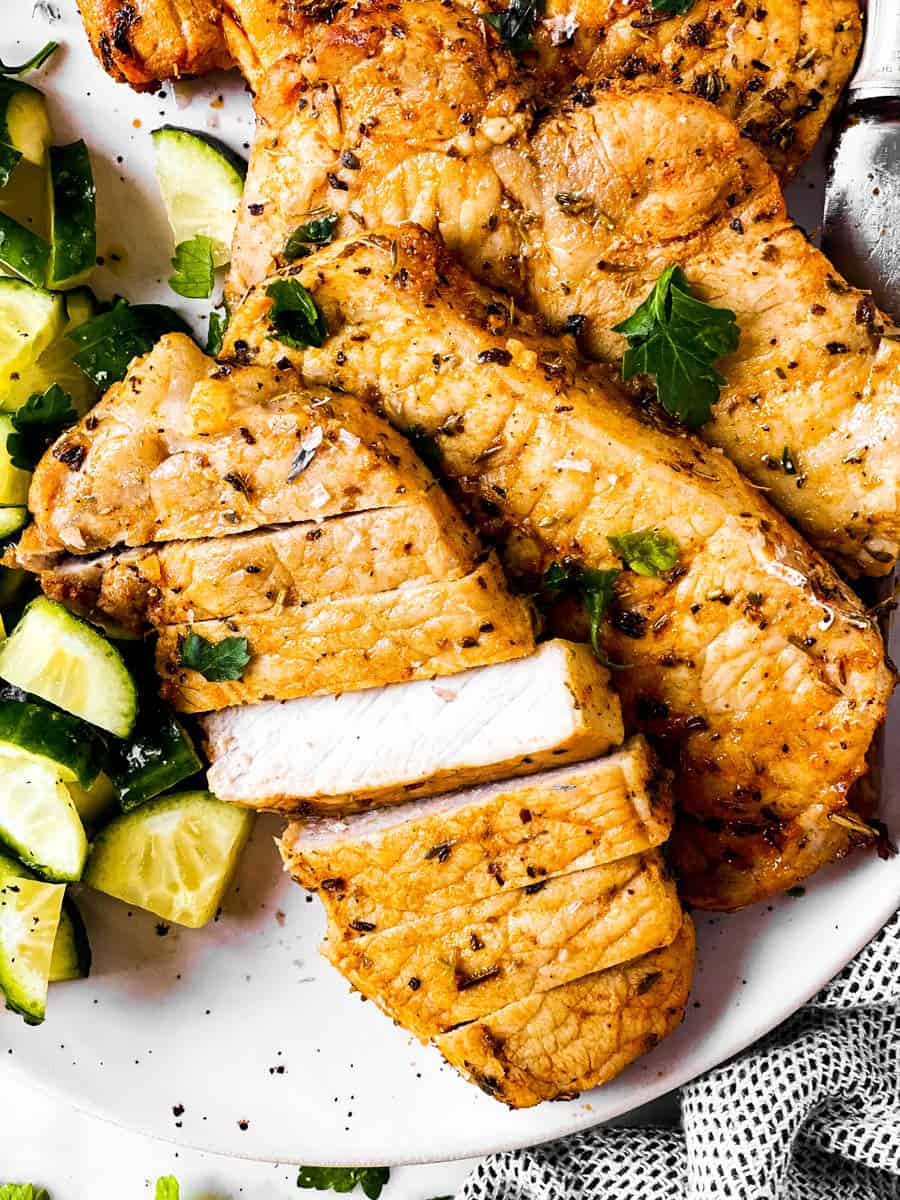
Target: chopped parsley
{"x": 167, "y": 1188}
{"x": 218, "y": 662}
{"x": 318, "y": 231}
{"x": 39, "y": 421}
{"x": 344, "y": 1179}
{"x": 294, "y": 315}
{"x": 216, "y": 333}
{"x": 36, "y": 60}
{"x": 646, "y": 551}
{"x": 195, "y": 272}
{"x": 515, "y": 25}
{"x": 677, "y": 338}
{"x": 675, "y": 7}
{"x": 596, "y": 588}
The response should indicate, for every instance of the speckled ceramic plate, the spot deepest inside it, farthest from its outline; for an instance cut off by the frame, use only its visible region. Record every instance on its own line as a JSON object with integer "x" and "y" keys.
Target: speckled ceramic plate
{"x": 238, "y": 1038}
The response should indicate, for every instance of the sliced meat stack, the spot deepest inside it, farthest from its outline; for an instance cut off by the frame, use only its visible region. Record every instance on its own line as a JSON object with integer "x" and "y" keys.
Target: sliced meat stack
{"x": 226, "y": 502}
{"x": 530, "y": 928}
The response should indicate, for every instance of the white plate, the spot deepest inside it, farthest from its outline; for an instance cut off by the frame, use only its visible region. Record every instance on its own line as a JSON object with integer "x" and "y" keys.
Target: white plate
{"x": 191, "y": 1035}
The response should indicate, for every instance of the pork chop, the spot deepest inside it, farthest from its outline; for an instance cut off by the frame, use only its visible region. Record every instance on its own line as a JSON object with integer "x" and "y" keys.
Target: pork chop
{"x": 385, "y": 745}
{"x": 752, "y": 654}
{"x": 345, "y": 643}
{"x": 380, "y": 869}
{"x": 438, "y": 971}
{"x": 554, "y": 1044}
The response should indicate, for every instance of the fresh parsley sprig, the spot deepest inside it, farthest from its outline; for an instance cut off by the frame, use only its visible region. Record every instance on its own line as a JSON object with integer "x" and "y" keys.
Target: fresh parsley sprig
{"x": 677, "y": 338}
{"x": 215, "y": 333}
{"x": 344, "y": 1179}
{"x": 596, "y": 587}
{"x": 195, "y": 272}
{"x": 318, "y": 231}
{"x": 295, "y": 318}
{"x": 218, "y": 662}
{"x": 515, "y": 25}
{"x": 676, "y": 7}
{"x": 38, "y": 423}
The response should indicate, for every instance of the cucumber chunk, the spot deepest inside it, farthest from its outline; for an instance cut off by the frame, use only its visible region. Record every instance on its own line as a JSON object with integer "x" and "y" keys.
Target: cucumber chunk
{"x": 158, "y": 756}
{"x": 201, "y": 180}
{"x": 14, "y": 482}
{"x": 173, "y": 856}
{"x": 22, "y": 251}
{"x": 60, "y": 658}
{"x": 29, "y": 918}
{"x": 38, "y": 820}
{"x": 11, "y": 521}
{"x": 30, "y": 319}
{"x": 95, "y": 804}
{"x": 73, "y": 220}
{"x": 71, "y": 958}
{"x": 81, "y": 305}
{"x": 54, "y": 737}
{"x": 25, "y": 121}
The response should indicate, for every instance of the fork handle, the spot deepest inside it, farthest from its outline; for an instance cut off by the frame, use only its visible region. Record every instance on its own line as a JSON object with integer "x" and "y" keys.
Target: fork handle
{"x": 878, "y": 72}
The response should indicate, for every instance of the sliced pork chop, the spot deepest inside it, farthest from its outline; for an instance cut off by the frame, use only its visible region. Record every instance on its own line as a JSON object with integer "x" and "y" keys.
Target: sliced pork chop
{"x": 555, "y": 1044}
{"x": 184, "y": 449}
{"x": 358, "y": 554}
{"x": 385, "y": 745}
{"x": 751, "y": 655}
{"x": 346, "y": 643}
{"x": 433, "y": 973}
{"x": 379, "y": 869}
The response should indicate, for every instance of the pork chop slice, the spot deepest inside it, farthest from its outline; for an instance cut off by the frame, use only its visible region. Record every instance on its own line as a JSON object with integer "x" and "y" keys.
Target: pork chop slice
{"x": 380, "y": 869}
{"x": 751, "y": 655}
{"x": 555, "y": 1044}
{"x": 439, "y": 971}
{"x": 184, "y": 449}
{"x": 345, "y": 643}
{"x": 338, "y": 754}
{"x": 358, "y": 554}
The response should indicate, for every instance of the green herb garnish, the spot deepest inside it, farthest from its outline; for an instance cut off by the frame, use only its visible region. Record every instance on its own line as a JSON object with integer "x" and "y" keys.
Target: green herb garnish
{"x": 39, "y": 421}
{"x": 294, "y": 315}
{"x": 195, "y": 272}
{"x": 646, "y": 551}
{"x": 167, "y": 1188}
{"x": 215, "y": 334}
{"x": 676, "y": 7}
{"x": 109, "y": 341}
{"x": 318, "y": 231}
{"x": 344, "y": 1179}
{"x": 36, "y": 60}
{"x": 515, "y": 25}
{"x": 218, "y": 662}
{"x": 596, "y": 588}
{"x": 677, "y": 338}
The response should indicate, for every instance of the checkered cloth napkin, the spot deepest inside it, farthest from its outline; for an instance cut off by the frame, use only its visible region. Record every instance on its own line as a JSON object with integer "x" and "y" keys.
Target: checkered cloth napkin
{"x": 811, "y": 1112}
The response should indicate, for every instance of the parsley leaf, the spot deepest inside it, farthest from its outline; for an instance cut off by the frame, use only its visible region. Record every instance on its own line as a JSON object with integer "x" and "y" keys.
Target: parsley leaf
{"x": 218, "y": 662}
{"x": 294, "y": 315}
{"x": 516, "y": 24}
{"x": 216, "y": 332}
{"x": 345, "y": 1179}
{"x": 36, "y": 60}
{"x": 108, "y": 342}
{"x": 22, "y": 1191}
{"x": 646, "y": 551}
{"x": 316, "y": 232}
{"x": 596, "y": 587}
{"x": 675, "y": 7}
{"x": 194, "y": 270}
{"x": 167, "y": 1188}
{"x": 677, "y": 338}
{"x": 39, "y": 421}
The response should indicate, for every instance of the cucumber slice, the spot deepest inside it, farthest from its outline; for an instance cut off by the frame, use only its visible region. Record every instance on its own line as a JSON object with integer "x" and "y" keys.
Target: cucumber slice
{"x": 96, "y": 804}
{"x": 173, "y": 856}
{"x": 158, "y": 756}
{"x": 201, "y": 180}
{"x": 71, "y": 958}
{"x": 14, "y": 482}
{"x": 38, "y": 820}
{"x": 56, "y": 739}
{"x": 60, "y": 658}
{"x": 29, "y": 918}
{"x": 22, "y": 251}
{"x": 73, "y": 219}
{"x": 30, "y": 319}
{"x": 11, "y": 521}
{"x": 24, "y": 121}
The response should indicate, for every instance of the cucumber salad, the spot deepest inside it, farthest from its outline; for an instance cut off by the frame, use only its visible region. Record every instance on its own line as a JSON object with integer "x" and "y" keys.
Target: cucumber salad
{"x": 100, "y": 784}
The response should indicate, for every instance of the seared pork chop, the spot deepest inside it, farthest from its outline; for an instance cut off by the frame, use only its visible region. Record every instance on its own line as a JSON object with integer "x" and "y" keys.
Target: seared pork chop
{"x": 751, "y": 654}
{"x": 435, "y": 972}
{"x": 337, "y": 754}
{"x": 408, "y": 111}
{"x": 379, "y": 869}
{"x": 552, "y": 1045}
{"x": 347, "y": 643}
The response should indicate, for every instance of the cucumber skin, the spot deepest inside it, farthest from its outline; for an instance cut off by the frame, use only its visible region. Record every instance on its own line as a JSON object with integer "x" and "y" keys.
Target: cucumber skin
{"x": 52, "y": 734}
{"x": 158, "y": 756}
{"x": 73, "y": 218}
{"x": 23, "y": 251}
{"x": 29, "y": 1014}
{"x": 234, "y": 160}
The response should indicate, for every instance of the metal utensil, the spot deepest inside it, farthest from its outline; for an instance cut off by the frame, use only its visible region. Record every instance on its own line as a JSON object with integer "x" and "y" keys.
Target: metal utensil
{"x": 862, "y": 196}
